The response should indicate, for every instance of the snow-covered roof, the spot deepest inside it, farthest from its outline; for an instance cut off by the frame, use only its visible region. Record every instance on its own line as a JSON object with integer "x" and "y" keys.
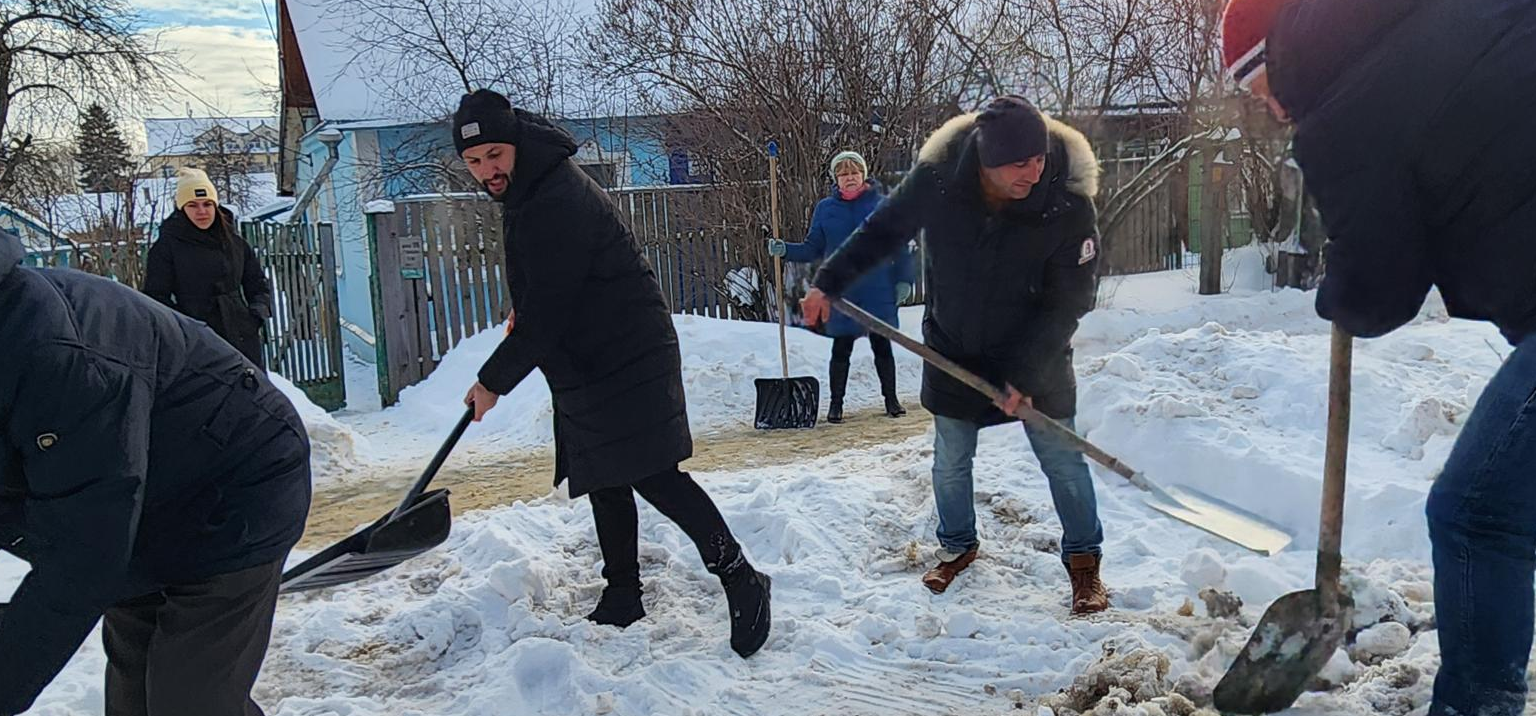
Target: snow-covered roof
{"x": 32, "y": 231}
{"x": 177, "y": 135}
{"x": 340, "y": 84}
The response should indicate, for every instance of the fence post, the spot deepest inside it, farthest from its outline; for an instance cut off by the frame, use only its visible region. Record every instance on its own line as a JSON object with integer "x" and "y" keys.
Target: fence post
{"x": 376, "y": 212}
{"x": 1213, "y": 221}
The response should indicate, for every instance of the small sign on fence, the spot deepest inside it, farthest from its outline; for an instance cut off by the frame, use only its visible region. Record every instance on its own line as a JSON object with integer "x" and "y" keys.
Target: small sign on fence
{"x": 412, "y": 265}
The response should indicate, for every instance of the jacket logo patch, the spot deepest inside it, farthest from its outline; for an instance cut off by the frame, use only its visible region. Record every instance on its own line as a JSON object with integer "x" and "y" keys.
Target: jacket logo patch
{"x": 47, "y": 440}
{"x": 469, "y": 130}
{"x": 1088, "y": 252}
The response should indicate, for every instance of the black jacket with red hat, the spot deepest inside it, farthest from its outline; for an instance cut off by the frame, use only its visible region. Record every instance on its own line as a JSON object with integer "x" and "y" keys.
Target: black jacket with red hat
{"x": 1414, "y": 130}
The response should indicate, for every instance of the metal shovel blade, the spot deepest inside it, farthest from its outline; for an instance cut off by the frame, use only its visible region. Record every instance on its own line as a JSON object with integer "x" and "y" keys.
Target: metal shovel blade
{"x": 1218, "y": 517}
{"x": 1292, "y": 643}
{"x": 393, "y": 539}
{"x": 787, "y": 403}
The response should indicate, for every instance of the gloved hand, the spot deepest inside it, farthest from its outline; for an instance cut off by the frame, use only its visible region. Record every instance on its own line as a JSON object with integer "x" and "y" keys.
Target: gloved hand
{"x": 777, "y": 247}
{"x": 903, "y": 293}
{"x": 260, "y": 312}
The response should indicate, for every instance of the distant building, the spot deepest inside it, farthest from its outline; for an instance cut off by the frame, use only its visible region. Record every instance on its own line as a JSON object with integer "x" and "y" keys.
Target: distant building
{"x": 249, "y": 142}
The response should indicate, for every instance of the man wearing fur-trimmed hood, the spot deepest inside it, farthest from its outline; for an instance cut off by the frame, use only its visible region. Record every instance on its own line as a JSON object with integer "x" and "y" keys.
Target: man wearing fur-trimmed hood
{"x": 1004, "y": 201}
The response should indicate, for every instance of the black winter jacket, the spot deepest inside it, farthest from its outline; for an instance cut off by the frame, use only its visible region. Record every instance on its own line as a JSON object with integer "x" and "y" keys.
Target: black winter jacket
{"x": 1005, "y": 289}
{"x": 137, "y": 450}
{"x": 1414, "y": 131}
{"x": 591, "y": 318}
{"x": 212, "y": 276}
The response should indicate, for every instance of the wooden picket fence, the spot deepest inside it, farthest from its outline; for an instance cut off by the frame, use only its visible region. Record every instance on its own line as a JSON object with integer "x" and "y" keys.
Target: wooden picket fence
{"x": 303, "y": 337}
{"x": 440, "y": 278}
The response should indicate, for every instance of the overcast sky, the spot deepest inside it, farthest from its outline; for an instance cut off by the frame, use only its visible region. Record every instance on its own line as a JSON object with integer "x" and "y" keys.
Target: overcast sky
{"x": 227, "y": 48}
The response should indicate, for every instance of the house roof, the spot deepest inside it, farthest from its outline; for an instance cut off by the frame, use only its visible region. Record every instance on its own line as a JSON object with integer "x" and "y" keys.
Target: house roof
{"x": 34, "y": 241}
{"x": 177, "y": 135}
{"x": 342, "y": 88}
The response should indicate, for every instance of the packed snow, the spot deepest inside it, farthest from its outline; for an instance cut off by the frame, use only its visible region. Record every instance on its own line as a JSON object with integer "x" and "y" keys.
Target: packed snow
{"x": 1225, "y": 394}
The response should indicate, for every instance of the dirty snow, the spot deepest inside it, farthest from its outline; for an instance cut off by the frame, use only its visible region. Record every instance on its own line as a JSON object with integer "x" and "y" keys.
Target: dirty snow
{"x": 1225, "y": 394}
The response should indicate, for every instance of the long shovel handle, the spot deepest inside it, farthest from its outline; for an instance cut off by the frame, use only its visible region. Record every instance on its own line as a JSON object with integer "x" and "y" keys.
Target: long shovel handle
{"x": 1330, "y": 533}
{"x": 435, "y": 465}
{"x": 778, "y": 263}
{"x": 1025, "y": 412}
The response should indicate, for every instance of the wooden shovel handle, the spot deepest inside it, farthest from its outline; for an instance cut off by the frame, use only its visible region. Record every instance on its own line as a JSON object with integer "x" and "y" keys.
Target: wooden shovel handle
{"x": 1330, "y": 533}
{"x": 778, "y": 263}
{"x": 996, "y": 394}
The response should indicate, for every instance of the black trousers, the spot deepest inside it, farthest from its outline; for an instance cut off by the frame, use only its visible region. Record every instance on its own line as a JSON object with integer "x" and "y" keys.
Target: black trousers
{"x": 885, "y": 364}
{"x": 674, "y": 494}
{"x": 191, "y": 649}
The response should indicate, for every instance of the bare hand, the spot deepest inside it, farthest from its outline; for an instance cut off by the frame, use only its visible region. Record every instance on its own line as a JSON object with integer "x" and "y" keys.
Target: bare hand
{"x": 1012, "y": 401}
{"x": 511, "y": 319}
{"x": 481, "y": 399}
{"x": 815, "y": 308}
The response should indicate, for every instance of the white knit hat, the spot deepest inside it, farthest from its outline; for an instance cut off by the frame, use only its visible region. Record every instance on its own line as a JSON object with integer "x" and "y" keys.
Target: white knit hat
{"x": 193, "y": 184}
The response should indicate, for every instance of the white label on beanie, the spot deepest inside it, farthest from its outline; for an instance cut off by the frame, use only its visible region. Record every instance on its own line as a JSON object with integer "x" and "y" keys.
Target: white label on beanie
{"x": 1088, "y": 251}
{"x": 469, "y": 130}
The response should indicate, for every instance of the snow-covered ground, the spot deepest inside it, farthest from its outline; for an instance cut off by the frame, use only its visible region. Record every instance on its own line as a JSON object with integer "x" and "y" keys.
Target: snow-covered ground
{"x": 721, "y": 359}
{"x": 1225, "y": 394}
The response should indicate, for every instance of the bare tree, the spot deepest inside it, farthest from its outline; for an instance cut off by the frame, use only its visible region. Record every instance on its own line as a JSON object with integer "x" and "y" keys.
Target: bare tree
{"x": 814, "y": 75}
{"x": 424, "y": 53}
{"x": 58, "y": 55}
{"x": 229, "y": 158}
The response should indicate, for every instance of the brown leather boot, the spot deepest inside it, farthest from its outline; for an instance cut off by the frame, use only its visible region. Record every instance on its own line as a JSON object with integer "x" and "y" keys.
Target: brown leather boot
{"x": 938, "y": 579}
{"x": 1088, "y": 593}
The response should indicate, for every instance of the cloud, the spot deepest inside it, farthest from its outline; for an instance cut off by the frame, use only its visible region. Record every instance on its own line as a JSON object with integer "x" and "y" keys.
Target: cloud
{"x": 226, "y": 68}
{"x": 245, "y": 13}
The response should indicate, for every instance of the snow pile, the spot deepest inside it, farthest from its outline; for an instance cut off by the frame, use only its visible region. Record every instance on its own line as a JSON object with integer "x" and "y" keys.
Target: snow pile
{"x": 333, "y": 445}
{"x": 721, "y": 360}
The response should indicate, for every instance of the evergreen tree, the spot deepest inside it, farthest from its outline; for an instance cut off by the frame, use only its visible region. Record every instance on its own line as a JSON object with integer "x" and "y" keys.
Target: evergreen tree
{"x": 101, "y": 152}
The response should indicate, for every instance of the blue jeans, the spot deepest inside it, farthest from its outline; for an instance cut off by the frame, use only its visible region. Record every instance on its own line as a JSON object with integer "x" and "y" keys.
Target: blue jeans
{"x": 954, "y": 452}
{"x": 1482, "y": 525}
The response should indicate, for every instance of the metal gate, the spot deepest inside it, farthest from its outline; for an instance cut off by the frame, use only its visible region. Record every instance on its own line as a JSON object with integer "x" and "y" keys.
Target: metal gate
{"x": 303, "y": 337}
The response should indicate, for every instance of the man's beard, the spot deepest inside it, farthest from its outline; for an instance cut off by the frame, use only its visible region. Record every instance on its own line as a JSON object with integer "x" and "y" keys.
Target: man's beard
{"x": 506, "y": 183}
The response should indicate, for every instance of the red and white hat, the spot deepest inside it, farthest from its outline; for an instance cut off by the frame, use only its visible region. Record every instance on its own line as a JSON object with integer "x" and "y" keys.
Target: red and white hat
{"x": 1244, "y": 26}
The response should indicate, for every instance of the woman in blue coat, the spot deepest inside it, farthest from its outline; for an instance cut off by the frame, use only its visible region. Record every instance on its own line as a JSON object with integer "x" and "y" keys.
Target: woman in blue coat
{"x": 854, "y": 196}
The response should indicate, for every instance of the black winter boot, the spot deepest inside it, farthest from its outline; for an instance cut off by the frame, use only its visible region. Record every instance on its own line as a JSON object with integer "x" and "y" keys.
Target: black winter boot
{"x": 838, "y": 372}
{"x": 619, "y": 606}
{"x": 747, "y": 595}
{"x": 885, "y": 367}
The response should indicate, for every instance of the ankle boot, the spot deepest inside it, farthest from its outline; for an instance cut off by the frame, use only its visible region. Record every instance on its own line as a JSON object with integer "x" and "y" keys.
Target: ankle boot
{"x": 619, "y": 606}
{"x": 747, "y": 595}
{"x": 1088, "y": 592}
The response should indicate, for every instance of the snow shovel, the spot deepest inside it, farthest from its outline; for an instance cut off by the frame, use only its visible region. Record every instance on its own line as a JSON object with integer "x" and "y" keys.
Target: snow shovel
{"x": 420, "y": 523}
{"x": 786, "y": 402}
{"x": 1219, "y": 518}
{"x": 1301, "y": 630}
